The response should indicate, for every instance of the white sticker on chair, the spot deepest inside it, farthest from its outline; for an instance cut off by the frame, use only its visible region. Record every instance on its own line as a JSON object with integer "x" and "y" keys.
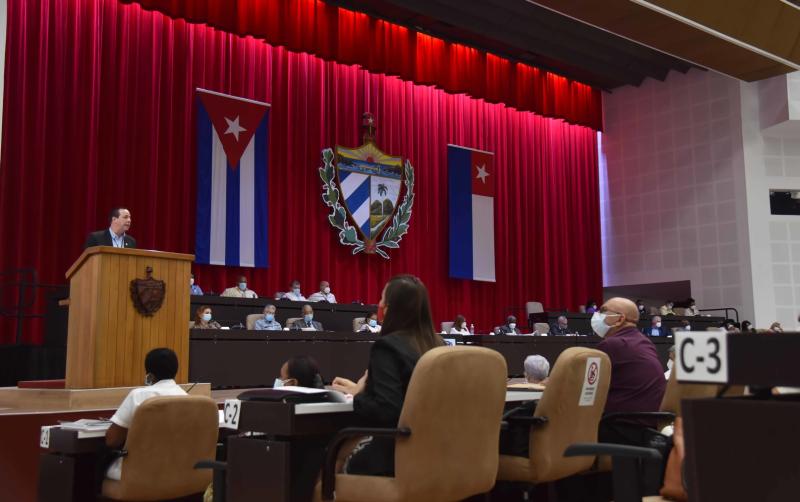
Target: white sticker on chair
{"x": 590, "y": 380}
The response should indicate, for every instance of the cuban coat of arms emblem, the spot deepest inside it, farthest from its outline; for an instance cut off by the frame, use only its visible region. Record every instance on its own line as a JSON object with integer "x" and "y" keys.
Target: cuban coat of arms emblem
{"x": 363, "y": 187}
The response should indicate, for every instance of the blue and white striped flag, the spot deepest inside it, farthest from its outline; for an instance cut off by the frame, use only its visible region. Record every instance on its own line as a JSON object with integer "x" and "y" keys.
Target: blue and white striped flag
{"x": 232, "y": 182}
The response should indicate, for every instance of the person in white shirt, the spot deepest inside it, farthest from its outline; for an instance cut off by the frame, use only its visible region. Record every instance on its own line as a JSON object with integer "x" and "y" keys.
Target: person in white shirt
{"x": 324, "y": 294}
{"x": 459, "y": 326}
{"x": 161, "y": 366}
{"x": 670, "y": 362}
{"x": 692, "y": 309}
{"x": 294, "y": 293}
{"x": 371, "y": 325}
{"x": 240, "y": 290}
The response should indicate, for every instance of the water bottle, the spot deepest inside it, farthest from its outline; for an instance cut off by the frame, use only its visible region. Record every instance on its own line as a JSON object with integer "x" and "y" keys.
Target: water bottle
{"x": 471, "y": 329}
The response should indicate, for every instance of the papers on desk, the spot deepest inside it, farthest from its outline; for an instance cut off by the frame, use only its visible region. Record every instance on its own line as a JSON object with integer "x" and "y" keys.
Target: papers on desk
{"x": 526, "y": 386}
{"x": 335, "y": 395}
{"x": 87, "y": 427}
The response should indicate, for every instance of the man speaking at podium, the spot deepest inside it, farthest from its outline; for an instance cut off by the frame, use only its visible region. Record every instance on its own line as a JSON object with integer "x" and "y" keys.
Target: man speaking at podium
{"x": 116, "y": 234}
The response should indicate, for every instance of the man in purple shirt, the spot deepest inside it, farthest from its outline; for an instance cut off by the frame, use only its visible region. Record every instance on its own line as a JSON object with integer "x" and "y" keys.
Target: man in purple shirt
{"x": 637, "y": 378}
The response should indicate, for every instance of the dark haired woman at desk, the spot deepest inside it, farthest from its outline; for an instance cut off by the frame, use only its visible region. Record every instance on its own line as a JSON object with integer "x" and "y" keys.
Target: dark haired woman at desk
{"x": 378, "y": 396}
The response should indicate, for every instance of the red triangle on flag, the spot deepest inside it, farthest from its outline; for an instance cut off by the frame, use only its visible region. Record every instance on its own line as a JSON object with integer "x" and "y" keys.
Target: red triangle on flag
{"x": 235, "y": 120}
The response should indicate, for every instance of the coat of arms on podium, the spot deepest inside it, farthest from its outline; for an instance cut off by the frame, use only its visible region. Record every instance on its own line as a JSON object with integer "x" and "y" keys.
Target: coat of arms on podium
{"x": 363, "y": 188}
{"x": 147, "y": 294}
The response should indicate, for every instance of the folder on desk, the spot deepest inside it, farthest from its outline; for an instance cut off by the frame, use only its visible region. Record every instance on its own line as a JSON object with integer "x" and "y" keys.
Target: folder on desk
{"x": 291, "y": 394}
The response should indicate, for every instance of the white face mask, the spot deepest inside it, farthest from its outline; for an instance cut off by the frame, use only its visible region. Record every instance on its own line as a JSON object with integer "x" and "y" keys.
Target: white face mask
{"x": 599, "y": 324}
{"x": 512, "y": 325}
{"x": 296, "y": 291}
{"x": 669, "y": 365}
{"x": 148, "y": 379}
{"x": 191, "y": 282}
{"x": 278, "y": 383}
{"x": 687, "y": 328}
{"x": 658, "y": 325}
{"x": 327, "y": 290}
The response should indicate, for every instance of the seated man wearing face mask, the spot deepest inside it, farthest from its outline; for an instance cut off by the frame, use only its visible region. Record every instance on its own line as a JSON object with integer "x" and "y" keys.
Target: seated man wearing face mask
{"x": 308, "y": 320}
{"x": 300, "y": 371}
{"x": 294, "y": 293}
{"x": 637, "y": 377}
{"x": 371, "y": 325}
{"x": 161, "y": 366}
{"x": 240, "y": 291}
{"x": 324, "y": 294}
{"x": 655, "y": 328}
{"x": 510, "y": 327}
{"x": 268, "y": 322}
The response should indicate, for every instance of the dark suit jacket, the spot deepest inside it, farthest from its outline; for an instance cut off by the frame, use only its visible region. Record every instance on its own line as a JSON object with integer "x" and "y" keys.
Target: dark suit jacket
{"x": 662, "y": 331}
{"x": 505, "y": 330}
{"x": 391, "y": 362}
{"x": 300, "y": 324}
{"x": 555, "y": 330}
{"x": 103, "y": 238}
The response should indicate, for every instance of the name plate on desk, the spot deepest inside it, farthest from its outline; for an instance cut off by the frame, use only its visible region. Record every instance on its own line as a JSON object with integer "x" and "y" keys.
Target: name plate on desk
{"x": 701, "y": 356}
{"x": 232, "y": 410}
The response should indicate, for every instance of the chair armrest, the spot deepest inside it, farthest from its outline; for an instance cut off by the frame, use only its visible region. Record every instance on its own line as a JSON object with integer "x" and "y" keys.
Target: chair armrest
{"x": 532, "y": 421}
{"x": 211, "y": 464}
{"x": 622, "y": 415}
{"x": 612, "y": 450}
{"x": 332, "y": 451}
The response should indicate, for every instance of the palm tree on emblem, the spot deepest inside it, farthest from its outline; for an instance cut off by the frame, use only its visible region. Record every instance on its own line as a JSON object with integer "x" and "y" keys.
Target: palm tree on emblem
{"x": 382, "y": 189}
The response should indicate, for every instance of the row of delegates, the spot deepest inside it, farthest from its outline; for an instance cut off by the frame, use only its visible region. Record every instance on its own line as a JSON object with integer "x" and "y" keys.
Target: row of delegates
{"x": 295, "y": 293}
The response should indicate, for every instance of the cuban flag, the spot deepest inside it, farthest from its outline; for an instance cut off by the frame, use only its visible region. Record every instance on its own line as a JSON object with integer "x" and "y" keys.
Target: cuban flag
{"x": 471, "y": 190}
{"x": 232, "y": 146}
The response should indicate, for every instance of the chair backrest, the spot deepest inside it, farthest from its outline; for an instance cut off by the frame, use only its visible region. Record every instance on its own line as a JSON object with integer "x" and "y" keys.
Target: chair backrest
{"x": 446, "y": 325}
{"x": 542, "y": 328}
{"x": 576, "y": 370}
{"x": 677, "y": 391}
{"x": 679, "y": 311}
{"x": 168, "y": 435}
{"x": 358, "y": 322}
{"x": 533, "y": 307}
{"x": 290, "y": 321}
{"x": 251, "y": 319}
{"x": 453, "y": 406}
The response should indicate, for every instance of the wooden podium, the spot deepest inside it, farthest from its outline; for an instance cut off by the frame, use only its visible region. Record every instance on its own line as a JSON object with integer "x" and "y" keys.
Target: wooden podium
{"x": 108, "y": 336}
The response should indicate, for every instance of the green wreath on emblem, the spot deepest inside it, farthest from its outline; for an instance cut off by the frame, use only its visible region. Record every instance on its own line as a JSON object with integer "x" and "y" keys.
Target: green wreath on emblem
{"x": 338, "y": 218}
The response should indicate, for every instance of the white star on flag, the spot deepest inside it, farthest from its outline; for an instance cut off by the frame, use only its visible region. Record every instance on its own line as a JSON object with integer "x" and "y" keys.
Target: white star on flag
{"x": 234, "y": 127}
{"x": 482, "y": 174}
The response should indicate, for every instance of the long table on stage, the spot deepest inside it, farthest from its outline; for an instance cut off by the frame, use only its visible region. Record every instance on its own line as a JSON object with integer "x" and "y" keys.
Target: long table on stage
{"x": 232, "y": 311}
{"x": 241, "y": 358}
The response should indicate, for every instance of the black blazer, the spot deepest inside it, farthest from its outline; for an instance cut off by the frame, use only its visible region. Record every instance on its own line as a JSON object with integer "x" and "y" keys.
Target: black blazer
{"x": 103, "y": 238}
{"x": 300, "y": 324}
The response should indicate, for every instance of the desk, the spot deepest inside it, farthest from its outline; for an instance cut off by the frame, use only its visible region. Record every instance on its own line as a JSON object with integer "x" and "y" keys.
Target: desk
{"x": 241, "y": 358}
{"x": 283, "y": 464}
{"x": 68, "y": 469}
{"x": 230, "y": 311}
{"x": 581, "y": 322}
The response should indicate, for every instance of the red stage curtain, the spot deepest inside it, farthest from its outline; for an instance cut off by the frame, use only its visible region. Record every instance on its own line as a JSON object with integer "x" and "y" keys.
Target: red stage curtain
{"x": 348, "y": 37}
{"x": 99, "y": 111}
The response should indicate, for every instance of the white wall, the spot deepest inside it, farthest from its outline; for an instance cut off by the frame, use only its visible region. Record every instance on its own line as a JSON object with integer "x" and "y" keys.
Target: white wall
{"x": 674, "y": 205}
{"x": 773, "y": 161}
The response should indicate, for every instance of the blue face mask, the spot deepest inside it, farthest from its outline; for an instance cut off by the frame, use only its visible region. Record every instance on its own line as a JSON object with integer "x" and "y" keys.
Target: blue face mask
{"x": 243, "y": 286}
{"x": 308, "y": 317}
{"x": 278, "y": 383}
{"x": 296, "y": 291}
{"x": 270, "y": 317}
{"x": 373, "y": 323}
{"x": 206, "y": 317}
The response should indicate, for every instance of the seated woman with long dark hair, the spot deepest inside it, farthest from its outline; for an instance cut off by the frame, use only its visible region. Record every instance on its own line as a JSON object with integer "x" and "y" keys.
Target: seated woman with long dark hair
{"x": 378, "y": 396}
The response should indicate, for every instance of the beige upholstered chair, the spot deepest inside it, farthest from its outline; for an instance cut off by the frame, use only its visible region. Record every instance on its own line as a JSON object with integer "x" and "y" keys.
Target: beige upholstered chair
{"x": 168, "y": 435}
{"x": 542, "y": 328}
{"x": 358, "y": 322}
{"x": 191, "y": 324}
{"x": 452, "y": 412}
{"x": 533, "y": 308}
{"x": 562, "y": 420}
{"x": 251, "y": 319}
{"x": 446, "y": 325}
